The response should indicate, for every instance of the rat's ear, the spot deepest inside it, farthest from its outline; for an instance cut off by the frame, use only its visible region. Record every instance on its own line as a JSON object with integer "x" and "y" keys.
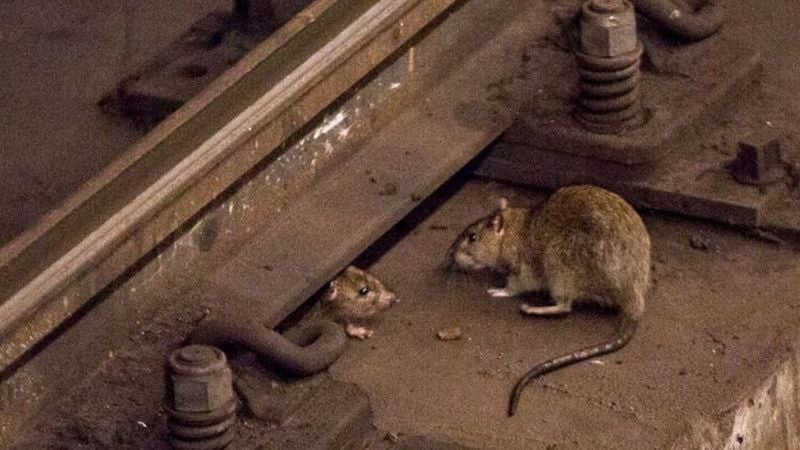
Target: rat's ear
{"x": 497, "y": 222}
{"x": 333, "y": 290}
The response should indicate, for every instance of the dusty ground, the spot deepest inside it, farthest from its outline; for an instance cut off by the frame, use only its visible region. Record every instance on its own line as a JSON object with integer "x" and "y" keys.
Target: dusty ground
{"x": 717, "y": 320}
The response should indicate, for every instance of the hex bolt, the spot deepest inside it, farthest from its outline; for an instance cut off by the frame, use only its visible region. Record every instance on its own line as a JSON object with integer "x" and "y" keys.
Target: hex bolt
{"x": 608, "y": 28}
{"x": 608, "y": 62}
{"x": 200, "y": 402}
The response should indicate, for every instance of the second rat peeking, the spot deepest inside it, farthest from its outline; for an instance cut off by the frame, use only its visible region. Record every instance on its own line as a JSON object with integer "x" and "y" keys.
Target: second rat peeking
{"x": 354, "y": 298}
{"x": 583, "y": 243}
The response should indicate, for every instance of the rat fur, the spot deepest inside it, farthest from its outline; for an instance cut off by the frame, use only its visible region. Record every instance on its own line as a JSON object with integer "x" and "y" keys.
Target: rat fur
{"x": 583, "y": 243}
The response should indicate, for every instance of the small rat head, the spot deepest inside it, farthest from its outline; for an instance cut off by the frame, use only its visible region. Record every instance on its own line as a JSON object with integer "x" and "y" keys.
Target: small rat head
{"x": 355, "y": 294}
{"x": 479, "y": 245}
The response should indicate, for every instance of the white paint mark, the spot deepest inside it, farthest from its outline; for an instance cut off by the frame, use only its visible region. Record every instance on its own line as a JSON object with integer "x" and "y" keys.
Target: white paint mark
{"x": 675, "y": 14}
{"x": 344, "y": 132}
{"x": 230, "y": 208}
{"x": 141, "y": 424}
{"x": 597, "y": 362}
{"x": 330, "y": 124}
{"x": 395, "y": 85}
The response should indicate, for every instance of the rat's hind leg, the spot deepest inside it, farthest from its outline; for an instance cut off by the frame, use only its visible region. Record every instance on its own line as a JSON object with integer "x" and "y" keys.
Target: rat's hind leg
{"x": 562, "y": 294}
{"x": 501, "y": 292}
{"x": 549, "y": 310}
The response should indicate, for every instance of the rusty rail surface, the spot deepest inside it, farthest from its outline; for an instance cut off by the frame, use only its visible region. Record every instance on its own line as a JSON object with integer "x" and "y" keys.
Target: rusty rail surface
{"x": 54, "y": 269}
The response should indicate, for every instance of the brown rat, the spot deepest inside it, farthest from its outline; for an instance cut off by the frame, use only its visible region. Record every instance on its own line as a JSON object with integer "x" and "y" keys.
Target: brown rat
{"x": 354, "y": 297}
{"x": 583, "y": 243}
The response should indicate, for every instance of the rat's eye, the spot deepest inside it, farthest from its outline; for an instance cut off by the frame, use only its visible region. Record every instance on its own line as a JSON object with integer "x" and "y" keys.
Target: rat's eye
{"x": 364, "y": 290}
{"x": 472, "y": 237}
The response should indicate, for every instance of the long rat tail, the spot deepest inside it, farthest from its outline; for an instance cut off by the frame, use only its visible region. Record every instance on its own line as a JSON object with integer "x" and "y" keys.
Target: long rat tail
{"x": 626, "y": 330}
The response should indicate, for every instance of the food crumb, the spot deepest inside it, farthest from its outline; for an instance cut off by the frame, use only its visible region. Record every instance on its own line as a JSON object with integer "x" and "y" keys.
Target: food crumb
{"x": 449, "y": 334}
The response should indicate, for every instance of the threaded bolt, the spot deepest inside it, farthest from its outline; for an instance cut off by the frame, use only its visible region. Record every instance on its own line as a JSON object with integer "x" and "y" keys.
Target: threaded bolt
{"x": 608, "y": 63}
{"x": 198, "y": 356}
{"x": 200, "y": 401}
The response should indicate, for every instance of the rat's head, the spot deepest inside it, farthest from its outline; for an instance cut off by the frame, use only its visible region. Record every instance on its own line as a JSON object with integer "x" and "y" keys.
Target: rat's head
{"x": 479, "y": 245}
{"x": 356, "y": 294}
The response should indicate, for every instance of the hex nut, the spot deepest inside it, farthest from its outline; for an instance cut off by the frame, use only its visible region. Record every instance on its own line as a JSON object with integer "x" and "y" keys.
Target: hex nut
{"x": 608, "y": 34}
{"x": 203, "y": 382}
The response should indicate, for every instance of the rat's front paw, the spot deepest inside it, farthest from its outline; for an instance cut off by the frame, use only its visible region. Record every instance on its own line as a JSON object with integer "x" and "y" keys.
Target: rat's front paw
{"x": 499, "y": 292}
{"x": 359, "y": 332}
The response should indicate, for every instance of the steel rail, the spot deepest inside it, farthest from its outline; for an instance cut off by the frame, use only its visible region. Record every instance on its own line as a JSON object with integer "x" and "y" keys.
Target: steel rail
{"x": 73, "y": 253}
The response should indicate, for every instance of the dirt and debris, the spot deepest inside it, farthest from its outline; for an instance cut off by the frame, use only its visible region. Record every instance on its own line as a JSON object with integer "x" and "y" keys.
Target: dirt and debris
{"x": 700, "y": 241}
{"x": 450, "y": 333}
{"x": 120, "y": 406}
{"x": 392, "y": 437}
{"x": 388, "y": 189}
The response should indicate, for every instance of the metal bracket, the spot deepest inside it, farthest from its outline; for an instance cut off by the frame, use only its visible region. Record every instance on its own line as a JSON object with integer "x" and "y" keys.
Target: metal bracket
{"x": 305, "y": 350}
